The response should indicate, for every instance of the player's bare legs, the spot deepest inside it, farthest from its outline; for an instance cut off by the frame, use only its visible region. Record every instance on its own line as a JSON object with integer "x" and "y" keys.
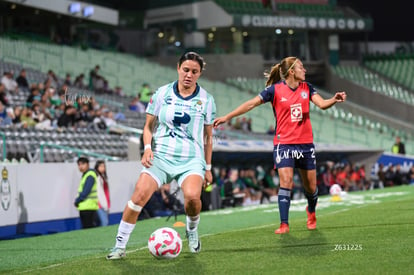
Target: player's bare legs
{"x": 191, "y": 188}
{"x": 144, "y": 189}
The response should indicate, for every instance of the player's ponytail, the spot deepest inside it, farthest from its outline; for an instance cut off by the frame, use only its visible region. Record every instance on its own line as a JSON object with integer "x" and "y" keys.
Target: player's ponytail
{"x": 281, "y": 70}
{"x": 274, "y": 75}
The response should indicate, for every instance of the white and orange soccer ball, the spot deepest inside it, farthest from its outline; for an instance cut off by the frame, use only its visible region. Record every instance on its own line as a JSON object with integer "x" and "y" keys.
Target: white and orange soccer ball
{"x": 165, "y": 243}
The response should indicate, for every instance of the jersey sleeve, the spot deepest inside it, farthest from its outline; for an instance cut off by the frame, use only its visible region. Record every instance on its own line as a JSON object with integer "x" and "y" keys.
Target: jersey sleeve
{"x": 210, "y": 111}
{"x": 154, "y": 105}
{"x": 312, "y": 90}
{"x": 268, "y": 94}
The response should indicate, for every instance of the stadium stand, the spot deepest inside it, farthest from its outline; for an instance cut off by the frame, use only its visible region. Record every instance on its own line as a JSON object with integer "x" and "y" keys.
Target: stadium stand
{"x": 397, "y": 67}
{"x": 374, "y": 82}
{"x": 130, "y": 72}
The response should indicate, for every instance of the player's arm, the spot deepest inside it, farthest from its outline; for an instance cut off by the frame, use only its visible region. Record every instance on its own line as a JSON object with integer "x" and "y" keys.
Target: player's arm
{"x": 208, "y": 150}
{"x": 244, "y": 108}
{"x": 327, "y": 103}
{"x": 148, "y": 155}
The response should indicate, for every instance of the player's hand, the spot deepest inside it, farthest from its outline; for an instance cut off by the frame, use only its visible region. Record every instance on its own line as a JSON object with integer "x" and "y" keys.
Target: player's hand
{"x": 147, "y": 158}
{"x": 208, "y": 179}
{"x": 340, "y": 96}
{"x": 218, "y": 121}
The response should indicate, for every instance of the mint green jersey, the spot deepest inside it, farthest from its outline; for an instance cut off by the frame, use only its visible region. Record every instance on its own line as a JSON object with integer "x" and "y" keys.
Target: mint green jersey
{"x": 179, "y": 135}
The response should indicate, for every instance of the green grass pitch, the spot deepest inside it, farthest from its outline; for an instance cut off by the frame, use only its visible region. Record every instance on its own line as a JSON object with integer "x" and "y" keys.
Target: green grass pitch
{"x": 365, "y": 233}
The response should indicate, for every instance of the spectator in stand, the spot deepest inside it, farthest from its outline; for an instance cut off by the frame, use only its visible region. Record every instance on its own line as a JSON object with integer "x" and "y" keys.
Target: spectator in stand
{"x": 237, "y": 125}
{"x": 21, "y": 80}
{"x": 9, "y": 83}
{"x": 398, "y": 147}
{"x": 3, "y": 96}
{"x": 119, "y": 116}
{"x": 355, "y": 179}
{"x": 108, "y": 118}
{"x": 17, "y": 113}
{"x": 79, "y": 82}
{"x": 52, "y": 79}
{"x": 98, "y": 121}
{"x": 68, "y": 117}
{"x": 327, "y": 179}
{"x": 253, "y": 190}
{"x": 145, "y": 94}
{"x": 342, "y": 177}
{"x": 83, "y": 116}
{"x": 399, "y": 175}
{"x": 410, "y": 175}
{"x": 68, "y": 80}
{"x": 389, "y": 176}
{"x": 381, "y": 176}
{"x": 41, "y": 87}
{"x": 118, "y": 91}
{"x": 33, "y": 97}
{"x": 162, "y": 204}
{"x": 6, "y": 117}
{"x": 136, "y": 105}
{"x": 26, "y": 118}
{"x": 270, "y": 184}
{"x": 245, "y": 124}
{"x": 233, "y": 189}
{"x": 94, "y": 77}
{"x": 216, "y": 188}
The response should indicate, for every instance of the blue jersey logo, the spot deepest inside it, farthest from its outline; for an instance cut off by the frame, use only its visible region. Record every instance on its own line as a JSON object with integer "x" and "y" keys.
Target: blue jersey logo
{"x": 181, "y": 118}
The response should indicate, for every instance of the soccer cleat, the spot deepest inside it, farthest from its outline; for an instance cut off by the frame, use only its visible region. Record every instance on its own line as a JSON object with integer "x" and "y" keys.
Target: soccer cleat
{"x": 311, "y": 223}
{"x": 283, "y": 229}
{"x": 193, "y": 242}
{"x": 116, "y": 253}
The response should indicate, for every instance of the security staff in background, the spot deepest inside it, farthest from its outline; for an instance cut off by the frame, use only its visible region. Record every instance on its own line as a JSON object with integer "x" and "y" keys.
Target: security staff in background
{"x": 398, "y": 147}
{"x": 87, "y": 200}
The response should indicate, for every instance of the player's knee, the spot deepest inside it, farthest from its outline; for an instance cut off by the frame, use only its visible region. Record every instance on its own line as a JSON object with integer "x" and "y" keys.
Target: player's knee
{"x": 134, "y": 207}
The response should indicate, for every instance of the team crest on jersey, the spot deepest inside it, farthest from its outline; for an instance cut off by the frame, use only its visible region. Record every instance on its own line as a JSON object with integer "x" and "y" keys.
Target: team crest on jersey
{"x": 296, "y": 112}
{"x": 304, "y": 94}
{"x": 199, "y": 106}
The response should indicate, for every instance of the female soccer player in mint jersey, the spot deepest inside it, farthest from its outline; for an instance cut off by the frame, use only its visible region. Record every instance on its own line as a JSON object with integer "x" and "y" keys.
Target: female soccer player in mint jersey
{"x": 179, "y": 148}
{"x": 290, "y": 95}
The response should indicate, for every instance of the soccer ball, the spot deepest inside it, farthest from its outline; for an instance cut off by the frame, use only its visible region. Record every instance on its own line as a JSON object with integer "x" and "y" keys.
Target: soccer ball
{"x": 165, "y": 243}
{"x": 335, "y": 190}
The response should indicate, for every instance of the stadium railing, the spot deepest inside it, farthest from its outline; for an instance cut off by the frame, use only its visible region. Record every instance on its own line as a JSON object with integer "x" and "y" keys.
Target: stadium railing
{"x": 77, "y": 151}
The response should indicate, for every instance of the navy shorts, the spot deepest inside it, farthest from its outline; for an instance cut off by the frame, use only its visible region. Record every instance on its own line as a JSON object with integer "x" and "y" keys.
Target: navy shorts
{"x": 300, "y": 156}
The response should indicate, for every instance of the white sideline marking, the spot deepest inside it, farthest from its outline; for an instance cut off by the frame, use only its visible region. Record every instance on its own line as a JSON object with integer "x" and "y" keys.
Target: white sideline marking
{"x": 42, "y": 268}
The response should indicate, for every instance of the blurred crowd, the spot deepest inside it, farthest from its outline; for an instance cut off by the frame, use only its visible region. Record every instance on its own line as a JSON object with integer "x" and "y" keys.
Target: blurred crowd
{"x": 56, "y": 103}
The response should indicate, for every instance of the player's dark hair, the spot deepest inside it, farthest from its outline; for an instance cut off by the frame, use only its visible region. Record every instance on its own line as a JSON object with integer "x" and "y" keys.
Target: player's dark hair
{"x": 192, "y": 56}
